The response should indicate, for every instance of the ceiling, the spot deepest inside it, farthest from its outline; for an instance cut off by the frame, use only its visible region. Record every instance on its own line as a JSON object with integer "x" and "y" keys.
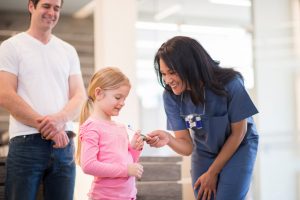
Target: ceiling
{"x": 69, "y": 7}
{"x": 189, "y": 12}
{"x": 196, "y": 12}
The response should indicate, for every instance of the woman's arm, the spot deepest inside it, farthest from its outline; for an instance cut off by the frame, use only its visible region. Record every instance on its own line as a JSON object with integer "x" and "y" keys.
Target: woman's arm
{"x": 181, "y": 143}
{"x": 238, "y": 131}
{"x": 208, "y": 180}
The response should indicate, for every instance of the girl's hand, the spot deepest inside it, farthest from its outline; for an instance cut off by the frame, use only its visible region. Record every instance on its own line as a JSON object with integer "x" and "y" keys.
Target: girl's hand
{"x": 208, "y": 184}
{"x": 135, "y": 169}
{"x": 137, "y": 141}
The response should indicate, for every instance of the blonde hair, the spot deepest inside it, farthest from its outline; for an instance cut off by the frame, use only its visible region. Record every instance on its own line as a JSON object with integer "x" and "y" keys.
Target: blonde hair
{"x": 108, "y": 78}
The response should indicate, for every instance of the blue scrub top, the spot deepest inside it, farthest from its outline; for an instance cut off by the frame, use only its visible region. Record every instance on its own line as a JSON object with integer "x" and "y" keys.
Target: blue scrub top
{"x": 219, "y": 113}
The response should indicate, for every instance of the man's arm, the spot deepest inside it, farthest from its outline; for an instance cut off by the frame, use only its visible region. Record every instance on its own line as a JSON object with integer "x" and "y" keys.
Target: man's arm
{"x": 51, "y": 124}
{"x": 77, "y": 96}
{"x": 13, "y": 103}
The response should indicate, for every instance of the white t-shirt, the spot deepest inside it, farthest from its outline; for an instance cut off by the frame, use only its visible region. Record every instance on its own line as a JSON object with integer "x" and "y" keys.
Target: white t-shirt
{"x": 43, "y": 71}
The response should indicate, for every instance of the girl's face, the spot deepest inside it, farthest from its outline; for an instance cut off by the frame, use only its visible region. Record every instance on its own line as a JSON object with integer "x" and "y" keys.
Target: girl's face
{"x": 109, "y": 102}
{"x": 171, "y": 78}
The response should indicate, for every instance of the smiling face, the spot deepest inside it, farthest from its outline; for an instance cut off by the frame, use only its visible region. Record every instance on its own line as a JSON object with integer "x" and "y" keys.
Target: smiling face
{"x": 171, "y": 78}
{"x": 109, "y": 102}
{"x": 45, "y": 14}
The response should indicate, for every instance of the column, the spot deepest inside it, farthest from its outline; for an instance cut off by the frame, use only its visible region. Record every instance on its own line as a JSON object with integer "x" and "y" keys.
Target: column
{"x": 114, "y": 35}
{"x": 115, "y": 46}
{"x": 276, "y": 65}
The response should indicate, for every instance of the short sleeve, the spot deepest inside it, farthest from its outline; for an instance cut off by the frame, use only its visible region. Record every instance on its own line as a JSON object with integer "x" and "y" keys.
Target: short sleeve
{"x": 9, "y": 61}
{"x": 75, "y": 63}
{"x": 240, "y": 105}
{"x": 172, "y": 108}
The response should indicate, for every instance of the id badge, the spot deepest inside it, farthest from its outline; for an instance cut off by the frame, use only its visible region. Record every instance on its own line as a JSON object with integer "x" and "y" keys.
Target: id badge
{"x": 193, "y": 121}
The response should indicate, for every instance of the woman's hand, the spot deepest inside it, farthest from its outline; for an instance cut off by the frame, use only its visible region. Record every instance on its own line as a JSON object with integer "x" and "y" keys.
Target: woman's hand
{"x": 208, "y": 184}
{"x": 158, "y": 138}
{"x": 208, "y": 181}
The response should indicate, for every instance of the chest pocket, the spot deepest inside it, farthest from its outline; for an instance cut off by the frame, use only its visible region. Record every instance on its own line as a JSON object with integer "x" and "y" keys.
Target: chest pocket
{"x": 213, "y": 134}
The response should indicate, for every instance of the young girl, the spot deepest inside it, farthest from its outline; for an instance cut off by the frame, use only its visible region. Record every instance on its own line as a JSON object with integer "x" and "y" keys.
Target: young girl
{"x": 103, "y": 145}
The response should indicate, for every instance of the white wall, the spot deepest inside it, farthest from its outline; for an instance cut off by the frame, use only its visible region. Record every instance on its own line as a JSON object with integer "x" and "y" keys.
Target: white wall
{"x": 275, "y": 67}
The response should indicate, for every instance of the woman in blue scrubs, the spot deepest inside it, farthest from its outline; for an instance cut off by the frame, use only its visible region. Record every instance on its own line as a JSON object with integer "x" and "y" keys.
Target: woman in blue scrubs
{"x": 210, "y": 113}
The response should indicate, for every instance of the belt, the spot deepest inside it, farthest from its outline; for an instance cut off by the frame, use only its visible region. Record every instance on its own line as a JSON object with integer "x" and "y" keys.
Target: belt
{"x": 70, "y": 135}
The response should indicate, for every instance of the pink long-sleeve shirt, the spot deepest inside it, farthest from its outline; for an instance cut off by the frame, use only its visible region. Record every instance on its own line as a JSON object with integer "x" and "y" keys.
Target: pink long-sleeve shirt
{"x": 105, "y": 154}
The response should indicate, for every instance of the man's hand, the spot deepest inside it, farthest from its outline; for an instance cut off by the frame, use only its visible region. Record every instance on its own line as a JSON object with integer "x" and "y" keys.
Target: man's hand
{"x": 50, "y": 125}
{"x": 61, "y": 140}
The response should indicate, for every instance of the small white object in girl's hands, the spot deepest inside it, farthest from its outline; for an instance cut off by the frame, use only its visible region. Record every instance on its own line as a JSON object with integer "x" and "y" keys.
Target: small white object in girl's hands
{"x": 133, "y": 131}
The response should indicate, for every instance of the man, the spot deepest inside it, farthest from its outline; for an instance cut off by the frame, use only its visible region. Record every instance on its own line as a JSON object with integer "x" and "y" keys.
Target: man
{"x": 42, "y": 88}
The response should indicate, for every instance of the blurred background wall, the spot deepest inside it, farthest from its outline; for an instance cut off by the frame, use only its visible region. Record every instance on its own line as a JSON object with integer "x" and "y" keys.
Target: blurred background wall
{"x": 260, "y": 38}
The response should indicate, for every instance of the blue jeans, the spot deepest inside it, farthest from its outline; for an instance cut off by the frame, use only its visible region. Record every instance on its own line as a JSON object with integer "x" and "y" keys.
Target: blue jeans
{"x": 31, "y": 161}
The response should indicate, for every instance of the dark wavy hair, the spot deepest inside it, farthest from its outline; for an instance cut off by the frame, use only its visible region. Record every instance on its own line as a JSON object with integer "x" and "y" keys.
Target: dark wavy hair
{"x": 194, "y": 66}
